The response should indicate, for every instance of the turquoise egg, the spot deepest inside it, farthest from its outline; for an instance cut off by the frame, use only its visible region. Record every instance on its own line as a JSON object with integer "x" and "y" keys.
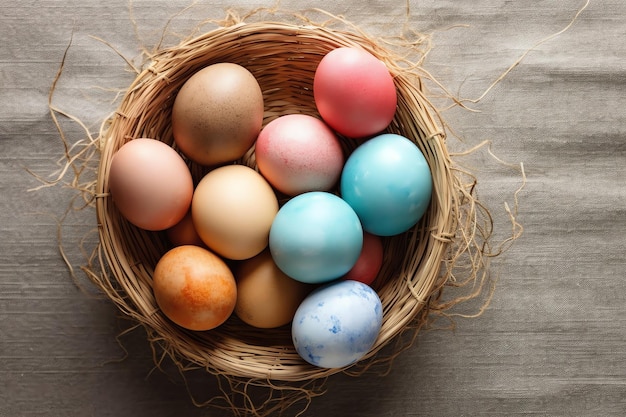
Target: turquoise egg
{"x": 337, "y": 324}
{"x": 388, "y": 183}
{"x": 315, "y": 237}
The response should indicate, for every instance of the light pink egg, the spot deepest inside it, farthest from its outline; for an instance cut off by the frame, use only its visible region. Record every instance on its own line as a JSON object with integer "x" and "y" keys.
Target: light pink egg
{"x": 298, "y": 153}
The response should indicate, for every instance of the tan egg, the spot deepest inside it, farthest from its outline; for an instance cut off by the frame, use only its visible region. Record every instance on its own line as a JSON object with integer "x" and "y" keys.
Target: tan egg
{"x": 194, "y": 288}
{"x": 266, "y": 297}
{"x": 217, "y": 114}
{"x": 233, "y": 208}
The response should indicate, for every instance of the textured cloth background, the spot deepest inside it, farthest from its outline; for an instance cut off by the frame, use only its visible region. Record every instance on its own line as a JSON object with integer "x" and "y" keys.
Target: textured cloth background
{"x": 552, "y": 342}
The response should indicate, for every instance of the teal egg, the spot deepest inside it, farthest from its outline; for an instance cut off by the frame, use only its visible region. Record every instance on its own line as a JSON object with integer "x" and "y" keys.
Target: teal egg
{"x": 388, "y": 183}
{"x": 316, "y": 237}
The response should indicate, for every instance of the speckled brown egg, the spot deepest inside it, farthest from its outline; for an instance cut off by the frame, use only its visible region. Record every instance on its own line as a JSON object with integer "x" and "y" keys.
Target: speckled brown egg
{"x": 217, "y": 114}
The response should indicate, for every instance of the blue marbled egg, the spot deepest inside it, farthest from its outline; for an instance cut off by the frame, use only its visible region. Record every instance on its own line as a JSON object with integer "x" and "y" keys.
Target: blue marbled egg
{"x": 337, "y": 324}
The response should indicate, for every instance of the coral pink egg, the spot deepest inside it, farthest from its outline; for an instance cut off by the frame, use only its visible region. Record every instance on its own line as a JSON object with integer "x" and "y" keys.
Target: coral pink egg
{"x": 369, "y": 262}
{"x": 354, "y": 92}
{"x": 297, "y": 153}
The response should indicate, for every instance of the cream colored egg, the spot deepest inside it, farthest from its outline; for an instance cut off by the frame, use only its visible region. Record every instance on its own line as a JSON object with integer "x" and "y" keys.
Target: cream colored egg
{"x": 233, "y": 208}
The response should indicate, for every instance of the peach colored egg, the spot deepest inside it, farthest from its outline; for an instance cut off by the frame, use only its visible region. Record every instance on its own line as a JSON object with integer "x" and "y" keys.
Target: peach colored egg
{"x": 194, "y": 288}
{"x": 299, "y": 153}
{"x": 217, "y": 114}
{"x": 266, "y": 297}
{"x": 233, "y": 209}
{"x": 150, "y": 184}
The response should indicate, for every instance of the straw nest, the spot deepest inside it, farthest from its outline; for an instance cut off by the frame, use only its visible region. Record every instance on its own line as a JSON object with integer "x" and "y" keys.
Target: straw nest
{"x": 448, "y": 242}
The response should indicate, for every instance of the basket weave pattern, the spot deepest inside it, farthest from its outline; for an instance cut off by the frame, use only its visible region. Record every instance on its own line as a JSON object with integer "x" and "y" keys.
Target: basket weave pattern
{"x": 283, "y": 57}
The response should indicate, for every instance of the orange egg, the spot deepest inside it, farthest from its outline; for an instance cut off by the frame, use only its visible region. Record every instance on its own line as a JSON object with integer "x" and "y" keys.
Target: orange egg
{"x": 194, "y": 288}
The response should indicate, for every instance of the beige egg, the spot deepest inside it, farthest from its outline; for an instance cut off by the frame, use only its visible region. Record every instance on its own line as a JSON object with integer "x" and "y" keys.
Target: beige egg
{"x": 266, "y": 297}
{"x": 233, "y": 208}
{"x": 217, "y": 114}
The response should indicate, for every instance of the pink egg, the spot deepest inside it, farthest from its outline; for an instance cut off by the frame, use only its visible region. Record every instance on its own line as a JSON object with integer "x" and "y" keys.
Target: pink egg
{"x": 369, "y": 262}
{"x": 298, "y": 153}
{"x": 354, "y": 92}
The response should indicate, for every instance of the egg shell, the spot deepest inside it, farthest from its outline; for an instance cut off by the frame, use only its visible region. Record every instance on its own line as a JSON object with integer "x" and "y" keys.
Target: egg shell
{"x": 388, "y": 183}
{"x": 194, "y": 288}
{"x": 217, "y": 114}
{"x": 370, "y": 260}
{"x": 266, "y": 297}
{"x": 184, "y": 232}
{"x": 299, "y": 153}
{"x": 354, "y": 92}
{"x": 233, "y": 208}
{"x": 150, "y": 184}
{"x": 316, "y": 237}
{"x": 337, "y": 324}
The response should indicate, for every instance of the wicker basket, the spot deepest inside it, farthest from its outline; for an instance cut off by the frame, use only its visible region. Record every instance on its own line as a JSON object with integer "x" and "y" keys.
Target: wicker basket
{"x": 283, "y": 57}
